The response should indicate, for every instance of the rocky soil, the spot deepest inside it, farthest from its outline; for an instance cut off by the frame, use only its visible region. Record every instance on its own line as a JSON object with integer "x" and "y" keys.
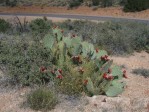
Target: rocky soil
{"x": 135, "y": 98}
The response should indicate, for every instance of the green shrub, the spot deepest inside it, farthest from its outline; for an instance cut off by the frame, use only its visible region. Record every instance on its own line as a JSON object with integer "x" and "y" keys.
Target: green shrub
{"x": 42, "y": 99}
{"x": 40, "y": 26}
{"x": 106, "y": 3}
{"x": 141, "y": 71}
{"x": 22, "y": 57}
{"x": 4, "y": 25}
{"x": 11, "y": 3}
{"x": 136, "y": 5}
{"x": 74, "y": 3}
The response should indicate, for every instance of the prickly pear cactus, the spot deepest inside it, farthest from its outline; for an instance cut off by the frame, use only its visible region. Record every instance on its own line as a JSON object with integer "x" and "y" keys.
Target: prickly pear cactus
{"x": 105, "y": 79}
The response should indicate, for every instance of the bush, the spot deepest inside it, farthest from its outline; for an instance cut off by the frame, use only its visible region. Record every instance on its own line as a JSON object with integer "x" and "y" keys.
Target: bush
{"x": 42, "y": 99}
{"x": 40, "y": 26}
{"x": 4, "y": 25}
{"x": 141, "y": 71}
{"x": 74, "y": 3}
{"x": 104, "y": 3}
{"x": 11, "y": 3}
{"x": 136, "y": 5}
{"x": 22, "y": 57}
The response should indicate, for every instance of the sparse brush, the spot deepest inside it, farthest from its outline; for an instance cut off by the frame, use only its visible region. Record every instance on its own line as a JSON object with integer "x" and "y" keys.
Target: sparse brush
{"x": 42, "y": 99}
{"x": 22, "y": 57}
{"x": 141, "y": 71}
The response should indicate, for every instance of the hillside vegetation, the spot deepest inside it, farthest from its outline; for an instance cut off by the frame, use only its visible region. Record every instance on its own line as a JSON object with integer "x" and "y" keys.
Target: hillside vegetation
{"x": 68, "y": 58}
{"x": 129, "y": 5}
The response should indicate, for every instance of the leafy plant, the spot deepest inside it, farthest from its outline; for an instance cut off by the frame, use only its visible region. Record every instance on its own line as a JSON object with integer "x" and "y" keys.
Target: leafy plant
{"x": 4, "y": 25}
{"x": 101, "y": 79}
{"x": 42, "y": 99}
{"x": 141, "y": 71}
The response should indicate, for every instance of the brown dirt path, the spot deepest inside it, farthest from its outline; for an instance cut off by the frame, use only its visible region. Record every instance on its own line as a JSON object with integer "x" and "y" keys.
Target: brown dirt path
{"x": 110, "y": 11}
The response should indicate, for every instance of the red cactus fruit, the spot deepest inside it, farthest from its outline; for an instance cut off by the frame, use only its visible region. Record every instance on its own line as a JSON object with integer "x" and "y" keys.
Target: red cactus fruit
{"x": 77, "y": 58}
{"x": 110, "y": 77}
{"x": 109, "y": 70}
{"x": 54, "y": 27}
{"x": 97, "y": 50}
{"x": 73, "y": 35}
{"x": 60, "y": 76}
{"x": 105, "y": 58}
{"x": 60, "y": 71}
{"x": 102, "y": 57}
{"x": 105, "y": 76}
{"x": 124, "y": 71}
{"x": 125, "y": 76}
{"x": 43, "y": 69}
{"x": 85, "y": 82}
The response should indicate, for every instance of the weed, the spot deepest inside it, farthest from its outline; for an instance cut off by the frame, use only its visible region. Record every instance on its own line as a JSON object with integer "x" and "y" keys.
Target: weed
{"x": 141, "y": 71}
{"x": 42, "y": 99}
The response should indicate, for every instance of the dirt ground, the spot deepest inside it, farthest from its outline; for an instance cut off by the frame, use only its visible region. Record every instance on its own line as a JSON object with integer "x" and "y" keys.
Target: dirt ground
{"x": 110, "y": 11}
{"x": 11, "y": 100}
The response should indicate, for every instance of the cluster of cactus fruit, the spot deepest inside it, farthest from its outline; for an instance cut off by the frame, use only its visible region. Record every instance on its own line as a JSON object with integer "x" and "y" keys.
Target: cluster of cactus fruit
{"x": 52, "y": 72}
{"x": 107, "y": 77}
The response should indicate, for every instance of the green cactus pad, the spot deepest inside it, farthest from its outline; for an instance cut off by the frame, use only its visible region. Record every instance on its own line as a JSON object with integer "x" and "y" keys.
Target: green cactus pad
{"x": 115, "y": 89}
{"x": 87, "y": 49}
{"x": 49, "y": 41}
{"x": 76, "y": 46}
{"x": 106, "y": 66}
{"x": 67, "y": 41}
{"x": 58, "y": 33}
{"x": 90, "y": 86}
{"x": 101, "y": 53}
{"x": 116, "y": 72}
